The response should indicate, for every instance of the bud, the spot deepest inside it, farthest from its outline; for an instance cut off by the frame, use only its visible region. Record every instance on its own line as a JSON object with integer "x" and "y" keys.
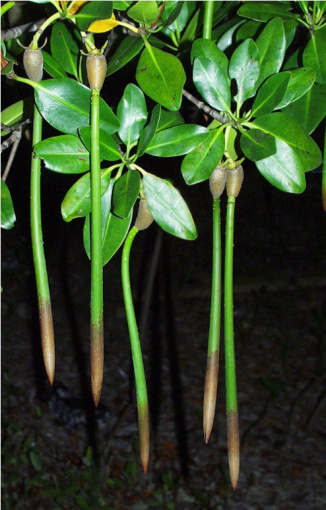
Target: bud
{"x": 144, "y": 216}
{"x": 234, "y": 179}
{"x": 217, "y": 181}
{"x": 96, "y": 70}
{"x": 33, "y": 64}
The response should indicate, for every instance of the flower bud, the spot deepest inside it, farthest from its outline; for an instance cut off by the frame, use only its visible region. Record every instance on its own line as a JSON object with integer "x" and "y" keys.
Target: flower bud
{"x": 217, "y": 181}
{"x": 33, "y": 64}
{"x": 144, "y": 216}
{"x": 96, "y": 70}
{"x": 234, "y": 179}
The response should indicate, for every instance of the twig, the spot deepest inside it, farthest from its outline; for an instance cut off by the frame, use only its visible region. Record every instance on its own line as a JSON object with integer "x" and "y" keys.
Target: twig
{"x": 14, "y": 139}
{"x": 202, "y": 106}
{"x": 13, "y": 33}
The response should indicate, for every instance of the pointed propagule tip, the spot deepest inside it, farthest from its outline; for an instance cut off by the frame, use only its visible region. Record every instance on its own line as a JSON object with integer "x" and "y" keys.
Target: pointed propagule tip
{"x": 210, "y": 394}
{"x": 234, "y": 447}
{"x": 47, "y": 339}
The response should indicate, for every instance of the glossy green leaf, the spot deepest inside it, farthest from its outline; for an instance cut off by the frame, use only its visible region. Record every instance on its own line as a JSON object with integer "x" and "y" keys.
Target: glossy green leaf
{"x": 301, "y": 80}
{"x": 271, "y": 45}
{"x": 114, "y": 229}
{"x": 204, "y": 48}
{"x": 177, "y": 140}
{"x": 191, "y": 30}
{"x": 77, "y": 202}
{"x": 52, "y": 67}
{"x": 144, "y": 12}
{"x": 65, "y": 44}
{"x": 65, "y": 105}
{"x": 169, "y": 119}
{"x": 284, "y": 169}
{"x": 64, "y": 154}
{"x": 132, "y": 114}
{"x": 257, "y": 144}
{"x": 314, "y": 54}
{"x": 108, "y": 148}
{"x": 126, "y": 51}
{"x": 247, "y": 30}
{"x": 212, "y": 83}
{"x": 125, "y": 193}
{"x": 161, "y": 76}
{"x": 168, "y": 208}
{"x": 270, "y": 94}
{"x": 180, "y": 21}
{"x": 17, "y": 112}
{"x": 8, "y": 216}
{"x": 93, "y": 11}
{"x": 147, "y": 134}
{"x": 289, "y": 131}
{"x": 199, "y": 164}
{"x": 122, "y": 5}
{"x": 264, "y": 11}
{"x": 225, "y": 35}
{"x": 244, "y": 68}
{"x": 310, "y": 109}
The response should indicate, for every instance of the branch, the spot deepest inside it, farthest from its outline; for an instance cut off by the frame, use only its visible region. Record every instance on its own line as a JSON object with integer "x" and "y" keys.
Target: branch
{"x": 13, "y": 33}
{"x": 202, "y": 106}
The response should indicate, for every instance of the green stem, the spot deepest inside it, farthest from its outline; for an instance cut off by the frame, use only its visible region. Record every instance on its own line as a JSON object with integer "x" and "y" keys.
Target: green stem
{"x": 208, "y": 19}
{"x": 42, "y": 284}
{"x": 212, "y": 366}
{"x": 140, "y": 380}
{"x": 96, "y": 254}
{"x": 230, "y": 374}
{"x": 323, "y": 174}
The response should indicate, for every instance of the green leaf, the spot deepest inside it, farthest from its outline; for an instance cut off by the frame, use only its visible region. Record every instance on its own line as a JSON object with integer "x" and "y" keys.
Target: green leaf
{"x": 270, "y": 94}
{"x": 144, "y": 12}
{"x": 93, "y": 11}
{"x": 114, "y": 229}
{"x": 244, "y": 68}
{"x": 212, "y": 83}
{"x": 65, "y": 105}
{"x": 301, "y": 80}
{"x": 132, "y": 114}
{"x": 257, "y": 145}
{"x": 169, "y": 119}
{"x": 247, "y": 30}
{"x": 17, "y": 112}
{"x": 204, "y": 48}
{"x": 65, "y": 44}
{"x": 264, "y": 11}
{"x": 149, "y": 131}
{"x": 289, "y": 131}
{"x": 126, "y": 51}
{"x": 284, "y": 169}
{"x": 190, "y": 32}
{"x": 122, "y": 5}
{"x": 168, "y": 208}
{"x": 177, "y": 140}
{"x": 125, "y": 193}
{"x": 314, "y": 54}
{"x": 199, "y": 164}
{"x": 8, "y": 216}
{"x": 161, "y": 76}
{"x": 271, "y": 46}
{"x": 77, "y": 202}
{"x": 225, "y": 34}
{"x": 52, "y": 67}
{"x": 310, "y": 109}
{"x": 180, "y": 21}
{"x": 64, "y": 154}
{"x": 108, "y": 148}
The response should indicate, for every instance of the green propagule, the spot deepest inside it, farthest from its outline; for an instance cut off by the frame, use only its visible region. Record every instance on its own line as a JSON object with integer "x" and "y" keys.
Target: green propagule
{"x": 264, "y": 105}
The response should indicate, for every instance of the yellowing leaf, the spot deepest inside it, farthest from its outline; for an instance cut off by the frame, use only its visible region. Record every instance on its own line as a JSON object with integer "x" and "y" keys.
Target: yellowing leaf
{"x": 76, "y": 6}
{"x": 104, "y": 25}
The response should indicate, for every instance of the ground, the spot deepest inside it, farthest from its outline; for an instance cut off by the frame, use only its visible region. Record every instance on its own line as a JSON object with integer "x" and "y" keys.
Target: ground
{"x": 280, "y": 326}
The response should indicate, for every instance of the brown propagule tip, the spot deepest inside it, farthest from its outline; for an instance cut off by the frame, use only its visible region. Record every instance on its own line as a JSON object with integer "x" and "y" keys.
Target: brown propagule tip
{"x": 210, "y": 394}
{"x": 143, "y": 425}
{"x": 47, "y": 338}
{"x": 97, "y": 354}
{"x": 233, "y": 447}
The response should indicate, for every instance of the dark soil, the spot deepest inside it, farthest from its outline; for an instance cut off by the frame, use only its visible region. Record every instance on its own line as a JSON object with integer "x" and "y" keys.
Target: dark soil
{"x": 280, "y": 326}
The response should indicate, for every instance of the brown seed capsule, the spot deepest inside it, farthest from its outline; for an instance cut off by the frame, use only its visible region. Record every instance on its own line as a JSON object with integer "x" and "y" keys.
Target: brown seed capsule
{"x": 96, "y": 70}
{"x": 33, "y": 64}
{"x": 144, "y": 217}
{"x": 217, "y": 181}
{"x": 234, "y": 179}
